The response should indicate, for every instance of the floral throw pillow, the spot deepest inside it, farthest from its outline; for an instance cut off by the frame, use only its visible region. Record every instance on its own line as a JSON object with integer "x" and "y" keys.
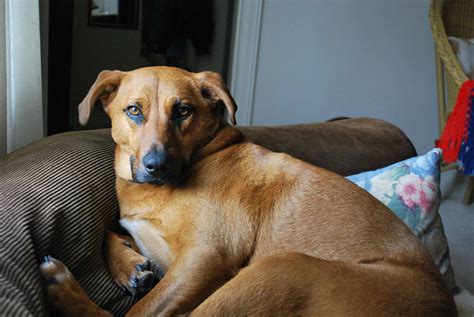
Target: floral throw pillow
{"x": 411, "y": 190}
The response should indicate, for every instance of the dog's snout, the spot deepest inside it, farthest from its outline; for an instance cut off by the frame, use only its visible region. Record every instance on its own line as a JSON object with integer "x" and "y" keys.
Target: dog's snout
{"x": 155, "y": 162}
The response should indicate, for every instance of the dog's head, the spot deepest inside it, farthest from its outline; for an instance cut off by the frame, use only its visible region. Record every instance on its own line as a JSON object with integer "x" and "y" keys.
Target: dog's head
{"x": 161, "y": 117}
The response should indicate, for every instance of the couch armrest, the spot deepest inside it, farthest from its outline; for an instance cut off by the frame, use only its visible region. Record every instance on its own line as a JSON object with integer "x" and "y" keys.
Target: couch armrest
{"x": 345, "y": 147}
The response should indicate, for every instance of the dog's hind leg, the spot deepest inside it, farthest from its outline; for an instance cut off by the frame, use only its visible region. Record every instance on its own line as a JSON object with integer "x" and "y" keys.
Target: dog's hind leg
{"x": 64, "y": 294}
{"x": 294, "y": 284}
{"x": 128, "y": 267}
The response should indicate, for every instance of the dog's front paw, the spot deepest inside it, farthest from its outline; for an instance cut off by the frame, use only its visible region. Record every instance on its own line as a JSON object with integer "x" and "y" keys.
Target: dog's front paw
{"x": 130, "y": 270}
{"x": 63, "y": 292}
{"x": 55, "y": 273}
{"x": 141, "y": 279}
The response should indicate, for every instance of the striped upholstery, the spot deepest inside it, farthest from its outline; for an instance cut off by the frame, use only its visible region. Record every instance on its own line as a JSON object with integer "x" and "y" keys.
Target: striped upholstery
{"x": 57, "y": 197}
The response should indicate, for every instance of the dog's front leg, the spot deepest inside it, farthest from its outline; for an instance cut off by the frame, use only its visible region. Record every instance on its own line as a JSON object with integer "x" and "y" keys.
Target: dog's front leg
{"x": 128, "y": 267}
{"x": 192, "y": 277}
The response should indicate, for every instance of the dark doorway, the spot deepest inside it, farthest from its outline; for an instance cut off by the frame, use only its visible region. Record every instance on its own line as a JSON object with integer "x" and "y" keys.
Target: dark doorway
{"x": 81, "y": 45}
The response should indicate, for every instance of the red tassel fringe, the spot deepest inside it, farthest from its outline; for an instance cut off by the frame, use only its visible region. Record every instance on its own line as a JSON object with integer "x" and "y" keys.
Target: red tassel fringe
{"x": 456, "y": 128}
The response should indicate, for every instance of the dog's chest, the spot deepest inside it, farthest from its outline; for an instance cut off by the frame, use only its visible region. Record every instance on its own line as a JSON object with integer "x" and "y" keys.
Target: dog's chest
{"x": 150, "y": 241}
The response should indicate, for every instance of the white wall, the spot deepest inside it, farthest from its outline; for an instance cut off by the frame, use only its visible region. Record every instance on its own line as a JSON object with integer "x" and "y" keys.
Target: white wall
{"x": 319, "y": 59}
{"x": 23, "y": 75}
{"x": 3, "y": 83}
{"x": 44, "y": 36}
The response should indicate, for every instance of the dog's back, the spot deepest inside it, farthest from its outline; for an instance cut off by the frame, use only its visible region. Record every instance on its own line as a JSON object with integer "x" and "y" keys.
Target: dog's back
{"x": 318, "y": 233}
{"x": 304, "y": 208}
{"x": 240, "y": 230}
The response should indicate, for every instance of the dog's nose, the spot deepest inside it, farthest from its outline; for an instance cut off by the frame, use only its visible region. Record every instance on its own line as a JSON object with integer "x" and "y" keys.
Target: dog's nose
{"x": 155, "y": 162}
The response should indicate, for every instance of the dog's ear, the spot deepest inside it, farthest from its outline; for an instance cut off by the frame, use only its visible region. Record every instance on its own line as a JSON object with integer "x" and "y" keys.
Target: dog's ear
{"x": 214, "y": 83}
{"x": 106, "y": 83}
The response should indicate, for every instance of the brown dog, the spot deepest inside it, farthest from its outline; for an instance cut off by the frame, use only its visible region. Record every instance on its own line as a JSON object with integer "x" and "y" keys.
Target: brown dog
{"x": 237, "y": 229}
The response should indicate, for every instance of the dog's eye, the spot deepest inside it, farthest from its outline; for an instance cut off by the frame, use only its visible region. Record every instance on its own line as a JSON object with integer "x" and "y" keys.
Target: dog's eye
{"x": 133, "y": 111}
{"x": 183, "y": 111}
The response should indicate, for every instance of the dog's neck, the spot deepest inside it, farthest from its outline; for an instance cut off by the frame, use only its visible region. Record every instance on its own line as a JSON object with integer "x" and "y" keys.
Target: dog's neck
{"x": 225, "y": 136}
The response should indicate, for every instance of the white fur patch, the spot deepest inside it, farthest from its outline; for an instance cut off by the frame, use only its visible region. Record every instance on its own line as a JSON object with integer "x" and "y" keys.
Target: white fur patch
{"x": 51, "y": 268}
{"x": 150, "y": 241}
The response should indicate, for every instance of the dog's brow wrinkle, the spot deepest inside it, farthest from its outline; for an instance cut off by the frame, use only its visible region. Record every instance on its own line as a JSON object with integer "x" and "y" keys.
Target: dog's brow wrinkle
{"x": 141, "y": 101}
{"x": 205, "y": 93}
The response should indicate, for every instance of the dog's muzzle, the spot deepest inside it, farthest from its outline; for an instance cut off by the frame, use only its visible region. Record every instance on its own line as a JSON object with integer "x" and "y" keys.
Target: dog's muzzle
{"x": 156, "y": 167}
{"x": 156, "y": 163}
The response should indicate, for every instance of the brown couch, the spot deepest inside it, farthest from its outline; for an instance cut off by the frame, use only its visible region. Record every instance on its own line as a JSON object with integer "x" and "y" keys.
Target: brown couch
{"x": 57, "y": 197}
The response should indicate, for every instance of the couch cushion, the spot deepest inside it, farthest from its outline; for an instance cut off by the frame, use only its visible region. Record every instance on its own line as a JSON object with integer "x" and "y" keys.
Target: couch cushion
{"x": 58, "y": 198}
{"x": 345, "y": 147}
{"x": 411, "y": 190}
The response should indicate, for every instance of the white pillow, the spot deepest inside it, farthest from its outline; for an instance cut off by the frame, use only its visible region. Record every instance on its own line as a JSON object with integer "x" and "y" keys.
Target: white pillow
{"x": 464, "y": 50}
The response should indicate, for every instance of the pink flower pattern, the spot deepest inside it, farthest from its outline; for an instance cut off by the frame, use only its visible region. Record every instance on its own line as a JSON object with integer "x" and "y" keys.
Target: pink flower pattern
{"x": 414, "y": 190}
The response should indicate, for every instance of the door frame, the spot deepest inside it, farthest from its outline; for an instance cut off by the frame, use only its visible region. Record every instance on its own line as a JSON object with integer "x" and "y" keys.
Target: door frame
{"x": 246, "y": 43}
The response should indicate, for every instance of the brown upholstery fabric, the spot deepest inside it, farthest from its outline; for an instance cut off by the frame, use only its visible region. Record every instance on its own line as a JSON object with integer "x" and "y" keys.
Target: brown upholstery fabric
{"x": 57, "y": 197}
{"x": 345, "y": 147}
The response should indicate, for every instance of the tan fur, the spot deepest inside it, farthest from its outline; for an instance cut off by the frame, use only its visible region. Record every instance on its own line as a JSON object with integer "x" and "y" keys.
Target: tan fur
{"x": 65, "y": 295}
{"x": 127, "y": 266}
{"x": 309, "y": 241}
